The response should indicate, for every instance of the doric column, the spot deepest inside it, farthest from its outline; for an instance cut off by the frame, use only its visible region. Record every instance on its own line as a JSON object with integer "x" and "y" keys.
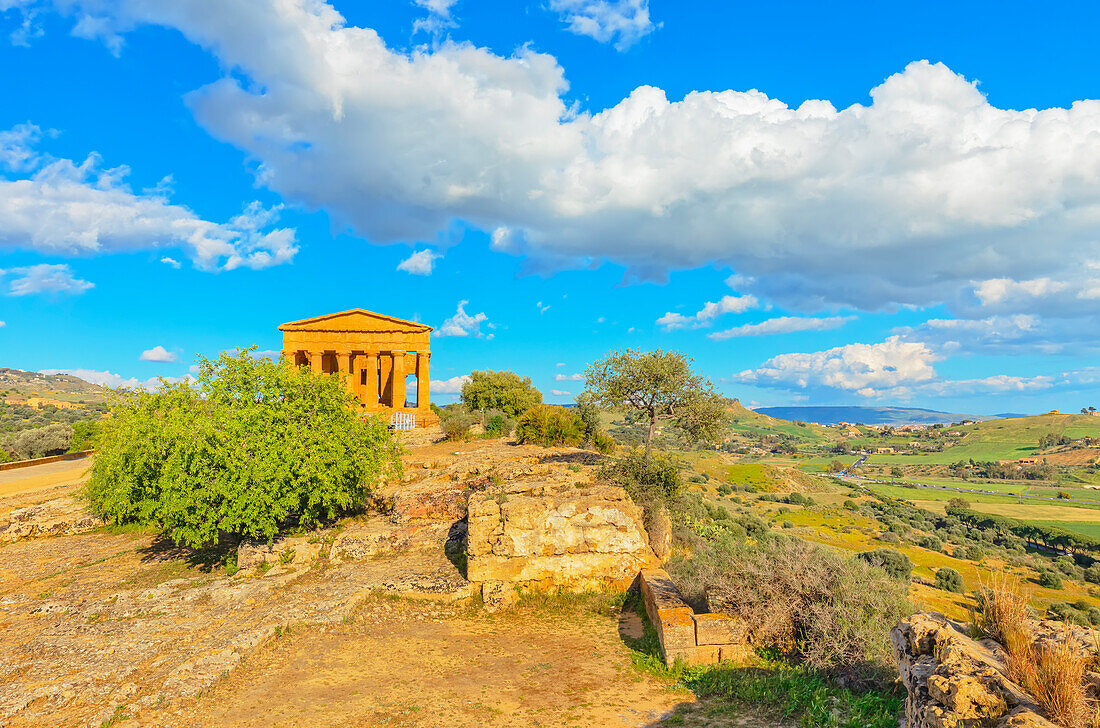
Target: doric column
{"x": 343, "y": 363}
{"x": 290, "y": 357}
{"x": 398, "y": 377}
{"x": 315, "y": 358}
{"x": 385, "y": 380}
{"x": 372, "y": 379}
{"x": 423, "y": 395}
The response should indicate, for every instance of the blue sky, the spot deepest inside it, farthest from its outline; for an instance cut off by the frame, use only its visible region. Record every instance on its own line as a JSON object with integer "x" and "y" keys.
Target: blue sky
{"x": 838, "y": 204}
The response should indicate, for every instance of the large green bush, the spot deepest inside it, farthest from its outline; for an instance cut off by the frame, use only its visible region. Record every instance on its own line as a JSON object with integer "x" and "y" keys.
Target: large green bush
{"x": 893, "y": 562}
{"x": 949, "y": 579}
{"x": 40, "y": 442}
{"x": 250, "y": 447}
{"x": 836, "y": 613}
{"x": 548, "y": 425}
{"x": 505, "y": 391}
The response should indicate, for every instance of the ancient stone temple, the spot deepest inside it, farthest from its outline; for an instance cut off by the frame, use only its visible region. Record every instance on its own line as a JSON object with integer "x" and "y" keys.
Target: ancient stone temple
{"x": 385, "y": 359}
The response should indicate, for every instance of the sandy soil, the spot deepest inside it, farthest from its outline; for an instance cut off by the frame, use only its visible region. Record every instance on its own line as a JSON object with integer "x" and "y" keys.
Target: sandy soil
{"x": 123, "y": 629}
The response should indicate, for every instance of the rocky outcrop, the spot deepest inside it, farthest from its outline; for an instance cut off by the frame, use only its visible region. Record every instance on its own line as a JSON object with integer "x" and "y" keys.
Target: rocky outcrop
{"x": 556, "y": 535}
{"x": 954, "y": 681}
{"x": 59, "y": 517}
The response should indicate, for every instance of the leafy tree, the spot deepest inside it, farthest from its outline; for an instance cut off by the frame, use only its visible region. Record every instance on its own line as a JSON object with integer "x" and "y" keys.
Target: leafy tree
{"x": 893, "y": 562}
{"x": 949, "y": 580}
{"x": 250, "y": 447}
{"x": 505, "y": 391}
{"x": 41, "y": 441}
{"x": 1049, "y": 580}
{"x": 958, "y": 504}
{"x": 661, "y": 386}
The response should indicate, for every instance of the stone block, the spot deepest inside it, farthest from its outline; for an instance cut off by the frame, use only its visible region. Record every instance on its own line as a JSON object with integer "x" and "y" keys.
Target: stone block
{"x": 497, "y": 595}
{"x": 719, "y": 629}
{"x": 556, "y": 534}
{"x": 739, "y": 654}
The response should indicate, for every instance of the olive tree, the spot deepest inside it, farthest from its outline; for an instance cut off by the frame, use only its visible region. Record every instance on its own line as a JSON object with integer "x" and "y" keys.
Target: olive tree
{"x": 661, "y": 386}
{"x": 250, "y": 446}
{"x": 504, "y": 391}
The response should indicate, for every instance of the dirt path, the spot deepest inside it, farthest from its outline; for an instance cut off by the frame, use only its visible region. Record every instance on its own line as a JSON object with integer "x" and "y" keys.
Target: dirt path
{"x": 41, "y": 477}
{"x": 403, "y": 663}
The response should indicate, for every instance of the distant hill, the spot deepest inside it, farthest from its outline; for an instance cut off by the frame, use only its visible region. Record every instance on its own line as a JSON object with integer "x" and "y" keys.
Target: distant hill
{"x": 871, "y": 415}
{"x": 17, "y": 385}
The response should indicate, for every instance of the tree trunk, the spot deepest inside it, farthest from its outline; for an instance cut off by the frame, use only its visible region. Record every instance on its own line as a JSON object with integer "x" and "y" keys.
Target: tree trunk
{"x": 649, "y": 436}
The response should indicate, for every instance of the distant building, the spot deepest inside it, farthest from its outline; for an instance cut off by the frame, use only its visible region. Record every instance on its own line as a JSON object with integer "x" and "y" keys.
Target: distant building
{"x": 884, "y": 450}
{"x": 40, "y": 402}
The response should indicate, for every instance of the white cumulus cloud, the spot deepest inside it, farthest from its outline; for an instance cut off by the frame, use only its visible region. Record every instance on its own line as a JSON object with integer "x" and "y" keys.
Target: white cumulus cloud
{"x": 560, "y": 393}
{"x": 65, "y": 207}
{"x": 782, "y": 325}
{"x": 622, "y": 22}
{"x": 866, "y": 369}
{"x": 170, "y": 262}
{"x": 449, "y": 386}
{"x": 462, "y": 324}
{"x": 158, "y": 354}
{"x": 57, "y": 279}
{"x": 110, "y": 379}
{"x": 568, "y": 377}
{"x": 710, "y": 311}
{"x": 419, "y": 263}
{"x": 960, "y": 190}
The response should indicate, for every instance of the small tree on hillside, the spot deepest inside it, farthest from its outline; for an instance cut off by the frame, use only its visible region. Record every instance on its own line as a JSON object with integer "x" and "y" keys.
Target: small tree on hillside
{"x": 661, "y": 386}
{"x": 505, "y": 391}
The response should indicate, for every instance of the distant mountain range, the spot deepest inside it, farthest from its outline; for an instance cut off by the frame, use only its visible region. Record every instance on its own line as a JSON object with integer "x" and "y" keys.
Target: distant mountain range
{"x": 874, "y": 415}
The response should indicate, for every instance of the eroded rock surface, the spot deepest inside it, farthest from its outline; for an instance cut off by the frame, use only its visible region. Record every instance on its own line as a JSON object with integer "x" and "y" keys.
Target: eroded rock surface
{"x": 560, "y": 535}
{"x": 954, "y": 681}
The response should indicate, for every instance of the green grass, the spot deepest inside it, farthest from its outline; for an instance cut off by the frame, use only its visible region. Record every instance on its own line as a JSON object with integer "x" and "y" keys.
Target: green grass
{"x": 797, "y": 694}
{"x": 1087, "y": 529}
{"x": 789, "y": 692}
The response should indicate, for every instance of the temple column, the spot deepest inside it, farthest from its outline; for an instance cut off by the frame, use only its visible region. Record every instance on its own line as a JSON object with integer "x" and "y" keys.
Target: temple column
{"x": 398, "y": 380}
{"x": 290, "y": 357}
{"x": 385, "y": 383}
{"x": 315, "y": 359}
{"x": 372, "y": 380}
{"x": 343, "y": 364}
{"x": 423, "y": 395}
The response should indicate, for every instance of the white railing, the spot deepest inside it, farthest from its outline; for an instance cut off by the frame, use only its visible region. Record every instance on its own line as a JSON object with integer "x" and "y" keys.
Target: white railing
{"x": 403, "y": 420}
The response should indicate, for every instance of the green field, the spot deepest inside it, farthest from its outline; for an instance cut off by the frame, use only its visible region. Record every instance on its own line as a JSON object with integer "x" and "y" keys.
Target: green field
{"x": 999, "y": 439}
{"x": 1086, "y": 529}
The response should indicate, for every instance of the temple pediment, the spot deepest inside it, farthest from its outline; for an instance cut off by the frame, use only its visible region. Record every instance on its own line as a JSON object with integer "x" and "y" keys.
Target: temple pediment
{"x": 357, "y": 320}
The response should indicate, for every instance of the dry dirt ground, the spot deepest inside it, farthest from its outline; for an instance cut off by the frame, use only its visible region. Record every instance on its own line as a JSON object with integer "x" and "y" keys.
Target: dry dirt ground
{"x": 368, "y": 623}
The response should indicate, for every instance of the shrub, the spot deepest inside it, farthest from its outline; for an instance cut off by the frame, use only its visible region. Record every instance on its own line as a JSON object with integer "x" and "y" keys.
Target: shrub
{"x": 850, "y": 505}
{"x": 85, "y": 435}
{"x": 931, "y": 543}
{"x": 949, "y": 580}
{"x": 603, "y": 443}
{"x": 456, "y": 425}
{"x": 893, "y": 562}
{"x": 889, "y": 537}
{"x": 836, "y": 613}
{"x": 975, "y": 553}
{"x": 548, "y": 425}
{"x": 649, "y": 482}
{"x": 1049, "y": 580}
{"x": 1092, "y": 574}
{"x": 40, "y": 442}
{"x": 497, "y": 423}
{"x": 505, "y": 391}
{"x": 788, "y": 524}
{"x": 250, "y": 447}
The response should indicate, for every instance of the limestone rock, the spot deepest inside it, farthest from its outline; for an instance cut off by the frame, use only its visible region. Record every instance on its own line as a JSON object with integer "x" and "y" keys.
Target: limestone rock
{"x": 954, "y": 681}
{"x": 59, "y": 517}
{"x": 557, "y": 535}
